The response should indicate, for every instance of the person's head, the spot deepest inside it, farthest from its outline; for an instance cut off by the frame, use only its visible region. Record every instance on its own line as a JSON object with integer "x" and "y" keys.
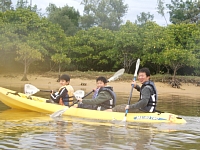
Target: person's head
{"x": 64, "y": 79}
{"x": 144, "y": 75}
{"x": 101, "y": 82}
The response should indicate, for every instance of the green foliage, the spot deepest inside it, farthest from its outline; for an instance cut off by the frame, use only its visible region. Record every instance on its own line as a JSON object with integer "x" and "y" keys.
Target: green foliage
{"x": 144, "y": 17}
{"x": 128, "y": 44}
{"x": 67, "y": 17}
{"x": 105, "y": 13}
{"x": 91, "y": 48}
{"x": 161, "y": 9}
{"x": 5, "y": 5}
{"x": 41, "y": 45}
{"x": 184, "y": 11}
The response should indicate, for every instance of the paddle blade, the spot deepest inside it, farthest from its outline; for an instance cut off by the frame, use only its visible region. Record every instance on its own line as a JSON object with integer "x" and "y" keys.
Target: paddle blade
{"x": 79, "y": 94}
{"x": 30, "y": 89}
{"x": 59, "y": 112}
{"x": 137, "y": 67}
{"x": 116, "y": 75}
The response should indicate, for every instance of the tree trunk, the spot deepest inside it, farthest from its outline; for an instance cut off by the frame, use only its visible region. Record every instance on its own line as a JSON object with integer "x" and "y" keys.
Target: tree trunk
{"x": 24, "y": 78}
{"x": 59, "y": 68}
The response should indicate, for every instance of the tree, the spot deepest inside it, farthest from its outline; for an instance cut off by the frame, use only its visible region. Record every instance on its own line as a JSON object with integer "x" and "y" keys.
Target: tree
{"x": 5, "y": 5}
{"x": 93, "y": 49}
{"x": 153, "y": 41}
{"x": 67, "y": 17}
{"x": 128, "y": 45}
{"x": 27, "y": 55}
{"x": 178, "y": 58}
{"x": 144, "y": 17}
{"x": 161, "y": 9}
{"x": 105, "y": 13}
{"x": 60, "y": 59}
{"x": 23, "y": 26}
{"x": 179, "y": 48}
{"x": 184, "y": 12}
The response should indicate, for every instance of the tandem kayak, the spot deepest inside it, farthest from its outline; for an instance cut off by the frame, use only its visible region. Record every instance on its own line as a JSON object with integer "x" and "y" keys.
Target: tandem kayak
{"x": 20, "y": 101}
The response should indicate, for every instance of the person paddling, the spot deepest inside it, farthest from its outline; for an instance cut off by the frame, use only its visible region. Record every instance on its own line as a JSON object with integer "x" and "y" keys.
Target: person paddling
{"x": 103, "y": 100}
{"x": 64, "y": 96}
{"x": 148, "y": 94}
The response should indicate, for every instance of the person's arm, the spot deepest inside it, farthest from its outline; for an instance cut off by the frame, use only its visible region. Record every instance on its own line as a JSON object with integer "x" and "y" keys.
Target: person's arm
{"x": 137, "y": 88}
{"x": 62, "y": 93}
{"x": 102, "y": 97}
{"x": 146, "y": 94}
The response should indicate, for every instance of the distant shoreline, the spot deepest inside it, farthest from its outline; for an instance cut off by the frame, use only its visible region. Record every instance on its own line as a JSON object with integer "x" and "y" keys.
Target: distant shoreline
{"x": 50, "y": 83}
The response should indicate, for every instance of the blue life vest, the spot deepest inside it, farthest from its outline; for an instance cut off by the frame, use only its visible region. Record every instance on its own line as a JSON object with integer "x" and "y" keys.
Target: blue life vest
{"x": 109, "y": 104}
{"x": 151, "y": 106}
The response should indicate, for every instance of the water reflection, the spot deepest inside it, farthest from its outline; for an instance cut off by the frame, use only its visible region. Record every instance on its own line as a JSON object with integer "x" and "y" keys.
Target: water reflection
{"x": 31, "y": 130}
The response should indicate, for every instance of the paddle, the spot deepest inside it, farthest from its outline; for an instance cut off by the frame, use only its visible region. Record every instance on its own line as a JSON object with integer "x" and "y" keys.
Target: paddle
{"x": 30, "y": 90}
{"x": 135, "y": 76}
{"x": 77, "y": 95}
{"x": 113, "y": 78}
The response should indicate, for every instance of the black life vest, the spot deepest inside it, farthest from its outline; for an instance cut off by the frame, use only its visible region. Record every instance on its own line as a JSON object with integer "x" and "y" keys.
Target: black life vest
{"x": 109, "y": 104}
{"x": 152, "y": 100}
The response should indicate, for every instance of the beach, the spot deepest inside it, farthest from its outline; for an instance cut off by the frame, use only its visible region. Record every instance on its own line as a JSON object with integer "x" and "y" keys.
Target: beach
{"x": 119, "y": 86}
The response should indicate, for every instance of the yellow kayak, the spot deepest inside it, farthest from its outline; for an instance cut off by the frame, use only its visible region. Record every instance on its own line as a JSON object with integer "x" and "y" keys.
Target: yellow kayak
{"x": 33, "y": 103}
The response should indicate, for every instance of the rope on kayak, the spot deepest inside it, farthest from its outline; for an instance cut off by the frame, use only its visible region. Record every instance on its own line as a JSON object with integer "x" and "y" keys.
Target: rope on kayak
{"x": 15, "y": 93}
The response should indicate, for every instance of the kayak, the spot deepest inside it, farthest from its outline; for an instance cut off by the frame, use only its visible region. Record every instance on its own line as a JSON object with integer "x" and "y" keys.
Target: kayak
{"x": 21, "y": 101}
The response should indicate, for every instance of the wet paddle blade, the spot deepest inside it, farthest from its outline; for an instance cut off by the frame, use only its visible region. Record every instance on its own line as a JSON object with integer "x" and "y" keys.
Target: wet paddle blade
{"x": 59, "y": 113}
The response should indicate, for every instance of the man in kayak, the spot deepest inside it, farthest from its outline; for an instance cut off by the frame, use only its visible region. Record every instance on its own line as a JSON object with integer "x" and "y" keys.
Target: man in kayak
{"x": 105, "y": 98}
{"x": 148, "y": 94}
{"x": 64, "y": 96}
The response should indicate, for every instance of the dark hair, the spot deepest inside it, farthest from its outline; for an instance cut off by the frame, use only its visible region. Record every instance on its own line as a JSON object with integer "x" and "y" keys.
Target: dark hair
{"x": 145, "y": 70}
{"x": 103, "y": 79}
{"x": 65, "y": 77}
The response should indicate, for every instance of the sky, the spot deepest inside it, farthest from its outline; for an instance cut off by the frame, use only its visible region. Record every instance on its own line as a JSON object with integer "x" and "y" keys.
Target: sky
{"x": 135, "y": 7}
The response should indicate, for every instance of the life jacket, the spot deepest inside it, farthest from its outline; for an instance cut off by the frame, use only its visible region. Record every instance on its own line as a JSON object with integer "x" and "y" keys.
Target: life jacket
{"x": 109, "y": 104}
{"x": 68, "y": 99}
{"x": 152, "y": 100}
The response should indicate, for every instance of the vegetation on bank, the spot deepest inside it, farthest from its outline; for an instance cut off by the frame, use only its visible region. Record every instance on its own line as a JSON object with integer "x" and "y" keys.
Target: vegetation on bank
{"x": 99, "y": 40}
{"x": 92, "y": 75}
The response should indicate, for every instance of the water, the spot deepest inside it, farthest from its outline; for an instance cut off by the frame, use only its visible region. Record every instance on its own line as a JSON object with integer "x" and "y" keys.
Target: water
{"x": 31, "y": 130}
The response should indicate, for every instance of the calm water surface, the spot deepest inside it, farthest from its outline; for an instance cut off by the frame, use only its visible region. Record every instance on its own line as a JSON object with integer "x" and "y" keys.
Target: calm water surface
{"x": 31, "y": 130}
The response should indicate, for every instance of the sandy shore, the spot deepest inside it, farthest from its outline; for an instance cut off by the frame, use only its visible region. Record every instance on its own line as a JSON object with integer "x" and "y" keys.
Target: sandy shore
{"x": 46, "y": 83}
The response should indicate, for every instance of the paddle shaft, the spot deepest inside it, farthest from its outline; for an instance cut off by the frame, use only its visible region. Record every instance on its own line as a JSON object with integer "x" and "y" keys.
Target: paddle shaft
{"x": 46, "y": 90}
{"x": 85, "y": 96}
{"x": 130, "y": 96}
{"x": 132, "y": 86}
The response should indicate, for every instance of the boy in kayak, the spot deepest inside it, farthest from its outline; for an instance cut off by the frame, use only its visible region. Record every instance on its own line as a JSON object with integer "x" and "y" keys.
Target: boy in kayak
{"x": 148, "y": 94}
{"x": 64, "y": 96}
{"x": 103, "y": 100}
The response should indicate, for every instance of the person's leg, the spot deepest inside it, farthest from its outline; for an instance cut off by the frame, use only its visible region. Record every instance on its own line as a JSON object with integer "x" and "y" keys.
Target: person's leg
{"x": 121, "y": 108}
{"x": 86, "y": 106}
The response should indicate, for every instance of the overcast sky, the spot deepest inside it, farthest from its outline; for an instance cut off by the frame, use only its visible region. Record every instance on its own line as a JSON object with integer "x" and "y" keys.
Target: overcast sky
{"x": 135, "y": 7}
